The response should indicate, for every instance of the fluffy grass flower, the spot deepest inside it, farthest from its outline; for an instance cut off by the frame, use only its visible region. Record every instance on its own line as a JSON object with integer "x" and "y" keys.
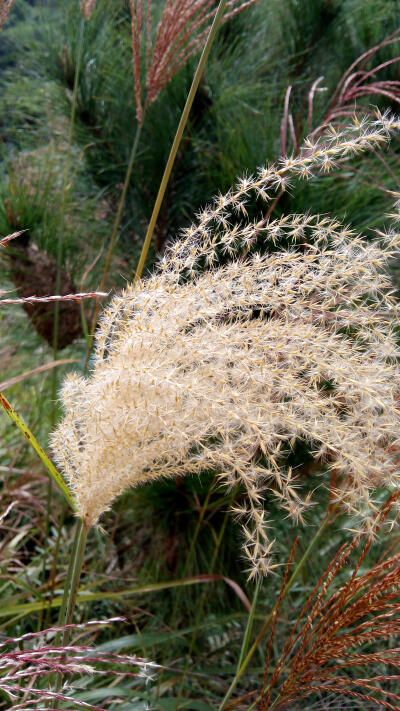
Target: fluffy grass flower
{"x": 250, "y": 337}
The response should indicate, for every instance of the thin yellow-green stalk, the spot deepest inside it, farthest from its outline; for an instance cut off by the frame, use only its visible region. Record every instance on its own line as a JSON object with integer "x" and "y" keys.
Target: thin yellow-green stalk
{"x": 178, "y": 137}
{"x": 31, "y": 439}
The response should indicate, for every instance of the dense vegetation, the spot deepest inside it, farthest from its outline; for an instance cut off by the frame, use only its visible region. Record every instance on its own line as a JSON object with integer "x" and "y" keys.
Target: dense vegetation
{"x": 168, "y": 558}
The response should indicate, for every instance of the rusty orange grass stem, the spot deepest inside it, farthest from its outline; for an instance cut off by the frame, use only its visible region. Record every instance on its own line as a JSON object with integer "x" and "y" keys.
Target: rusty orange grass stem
{"x": 5, "y": 7}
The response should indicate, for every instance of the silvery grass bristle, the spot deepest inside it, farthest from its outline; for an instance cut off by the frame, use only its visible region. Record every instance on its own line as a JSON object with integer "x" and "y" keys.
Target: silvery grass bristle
{"x": 221, "y": 358}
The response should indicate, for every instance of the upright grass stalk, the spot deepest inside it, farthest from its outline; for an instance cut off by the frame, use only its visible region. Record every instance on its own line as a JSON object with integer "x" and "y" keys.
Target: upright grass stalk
{"x": 244, "y": 662}
{"x": 71, "y": 588}
{"x": 250, "y": 621}
{"x": 178, "y": 137}
{"x": 73, "y": 578}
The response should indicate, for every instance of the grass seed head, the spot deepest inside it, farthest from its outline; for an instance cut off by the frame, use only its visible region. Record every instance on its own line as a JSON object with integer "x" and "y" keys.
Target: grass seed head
{"x": 181, "y": 33}
{"x": 228, "y": 355}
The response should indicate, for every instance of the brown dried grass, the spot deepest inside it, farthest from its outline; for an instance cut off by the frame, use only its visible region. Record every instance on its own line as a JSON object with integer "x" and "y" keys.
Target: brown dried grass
{"x": 328, "y": 648}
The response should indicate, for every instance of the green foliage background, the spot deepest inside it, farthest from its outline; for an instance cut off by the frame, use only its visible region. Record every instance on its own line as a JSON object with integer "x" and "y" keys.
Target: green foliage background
{"x": 169, "y": 530}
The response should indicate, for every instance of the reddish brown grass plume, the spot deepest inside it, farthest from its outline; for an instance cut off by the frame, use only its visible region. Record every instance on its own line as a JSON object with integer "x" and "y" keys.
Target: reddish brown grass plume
{"x": 361, "y": 79}
{"x": 328, "y": 648}
{"x": 180, "y": 33}
{"x": 5, "y": 7}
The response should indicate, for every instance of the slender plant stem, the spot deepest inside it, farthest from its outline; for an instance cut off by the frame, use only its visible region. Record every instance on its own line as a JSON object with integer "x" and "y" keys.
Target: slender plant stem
{"x": 326, "y": 521}
{"x": 55, "y": 475}
{"x": 75, "y": 577}
{"x": 68, "y": 579}
{"x": 178, "y": 136}
{"x": 71, "y": 590}
{"x": 250, "y": 621}
{"x": 113, "y": 237}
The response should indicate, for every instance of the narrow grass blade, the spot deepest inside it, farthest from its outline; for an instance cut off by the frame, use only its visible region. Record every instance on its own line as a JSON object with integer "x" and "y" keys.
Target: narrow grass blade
{"x": 41, "y": 369}
{"x": 55, "y": 475}
{"x": 29, "y": 607}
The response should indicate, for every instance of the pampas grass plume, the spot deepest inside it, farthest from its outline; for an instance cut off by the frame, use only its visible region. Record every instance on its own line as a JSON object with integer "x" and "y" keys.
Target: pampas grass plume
{"x": 228, "y": 355}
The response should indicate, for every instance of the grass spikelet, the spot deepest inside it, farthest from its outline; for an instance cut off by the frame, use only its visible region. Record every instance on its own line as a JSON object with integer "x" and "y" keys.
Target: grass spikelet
{"x": 87, "y": 8}
{"x": 230, "y": 354}
{"x": 25, "y": 659}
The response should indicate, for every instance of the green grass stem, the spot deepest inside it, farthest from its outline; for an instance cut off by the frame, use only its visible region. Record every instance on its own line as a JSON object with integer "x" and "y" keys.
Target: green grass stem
{"x": 31, "y": 439}
{"x": 245, "y": 662}
{"x": 71, "y": 590}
